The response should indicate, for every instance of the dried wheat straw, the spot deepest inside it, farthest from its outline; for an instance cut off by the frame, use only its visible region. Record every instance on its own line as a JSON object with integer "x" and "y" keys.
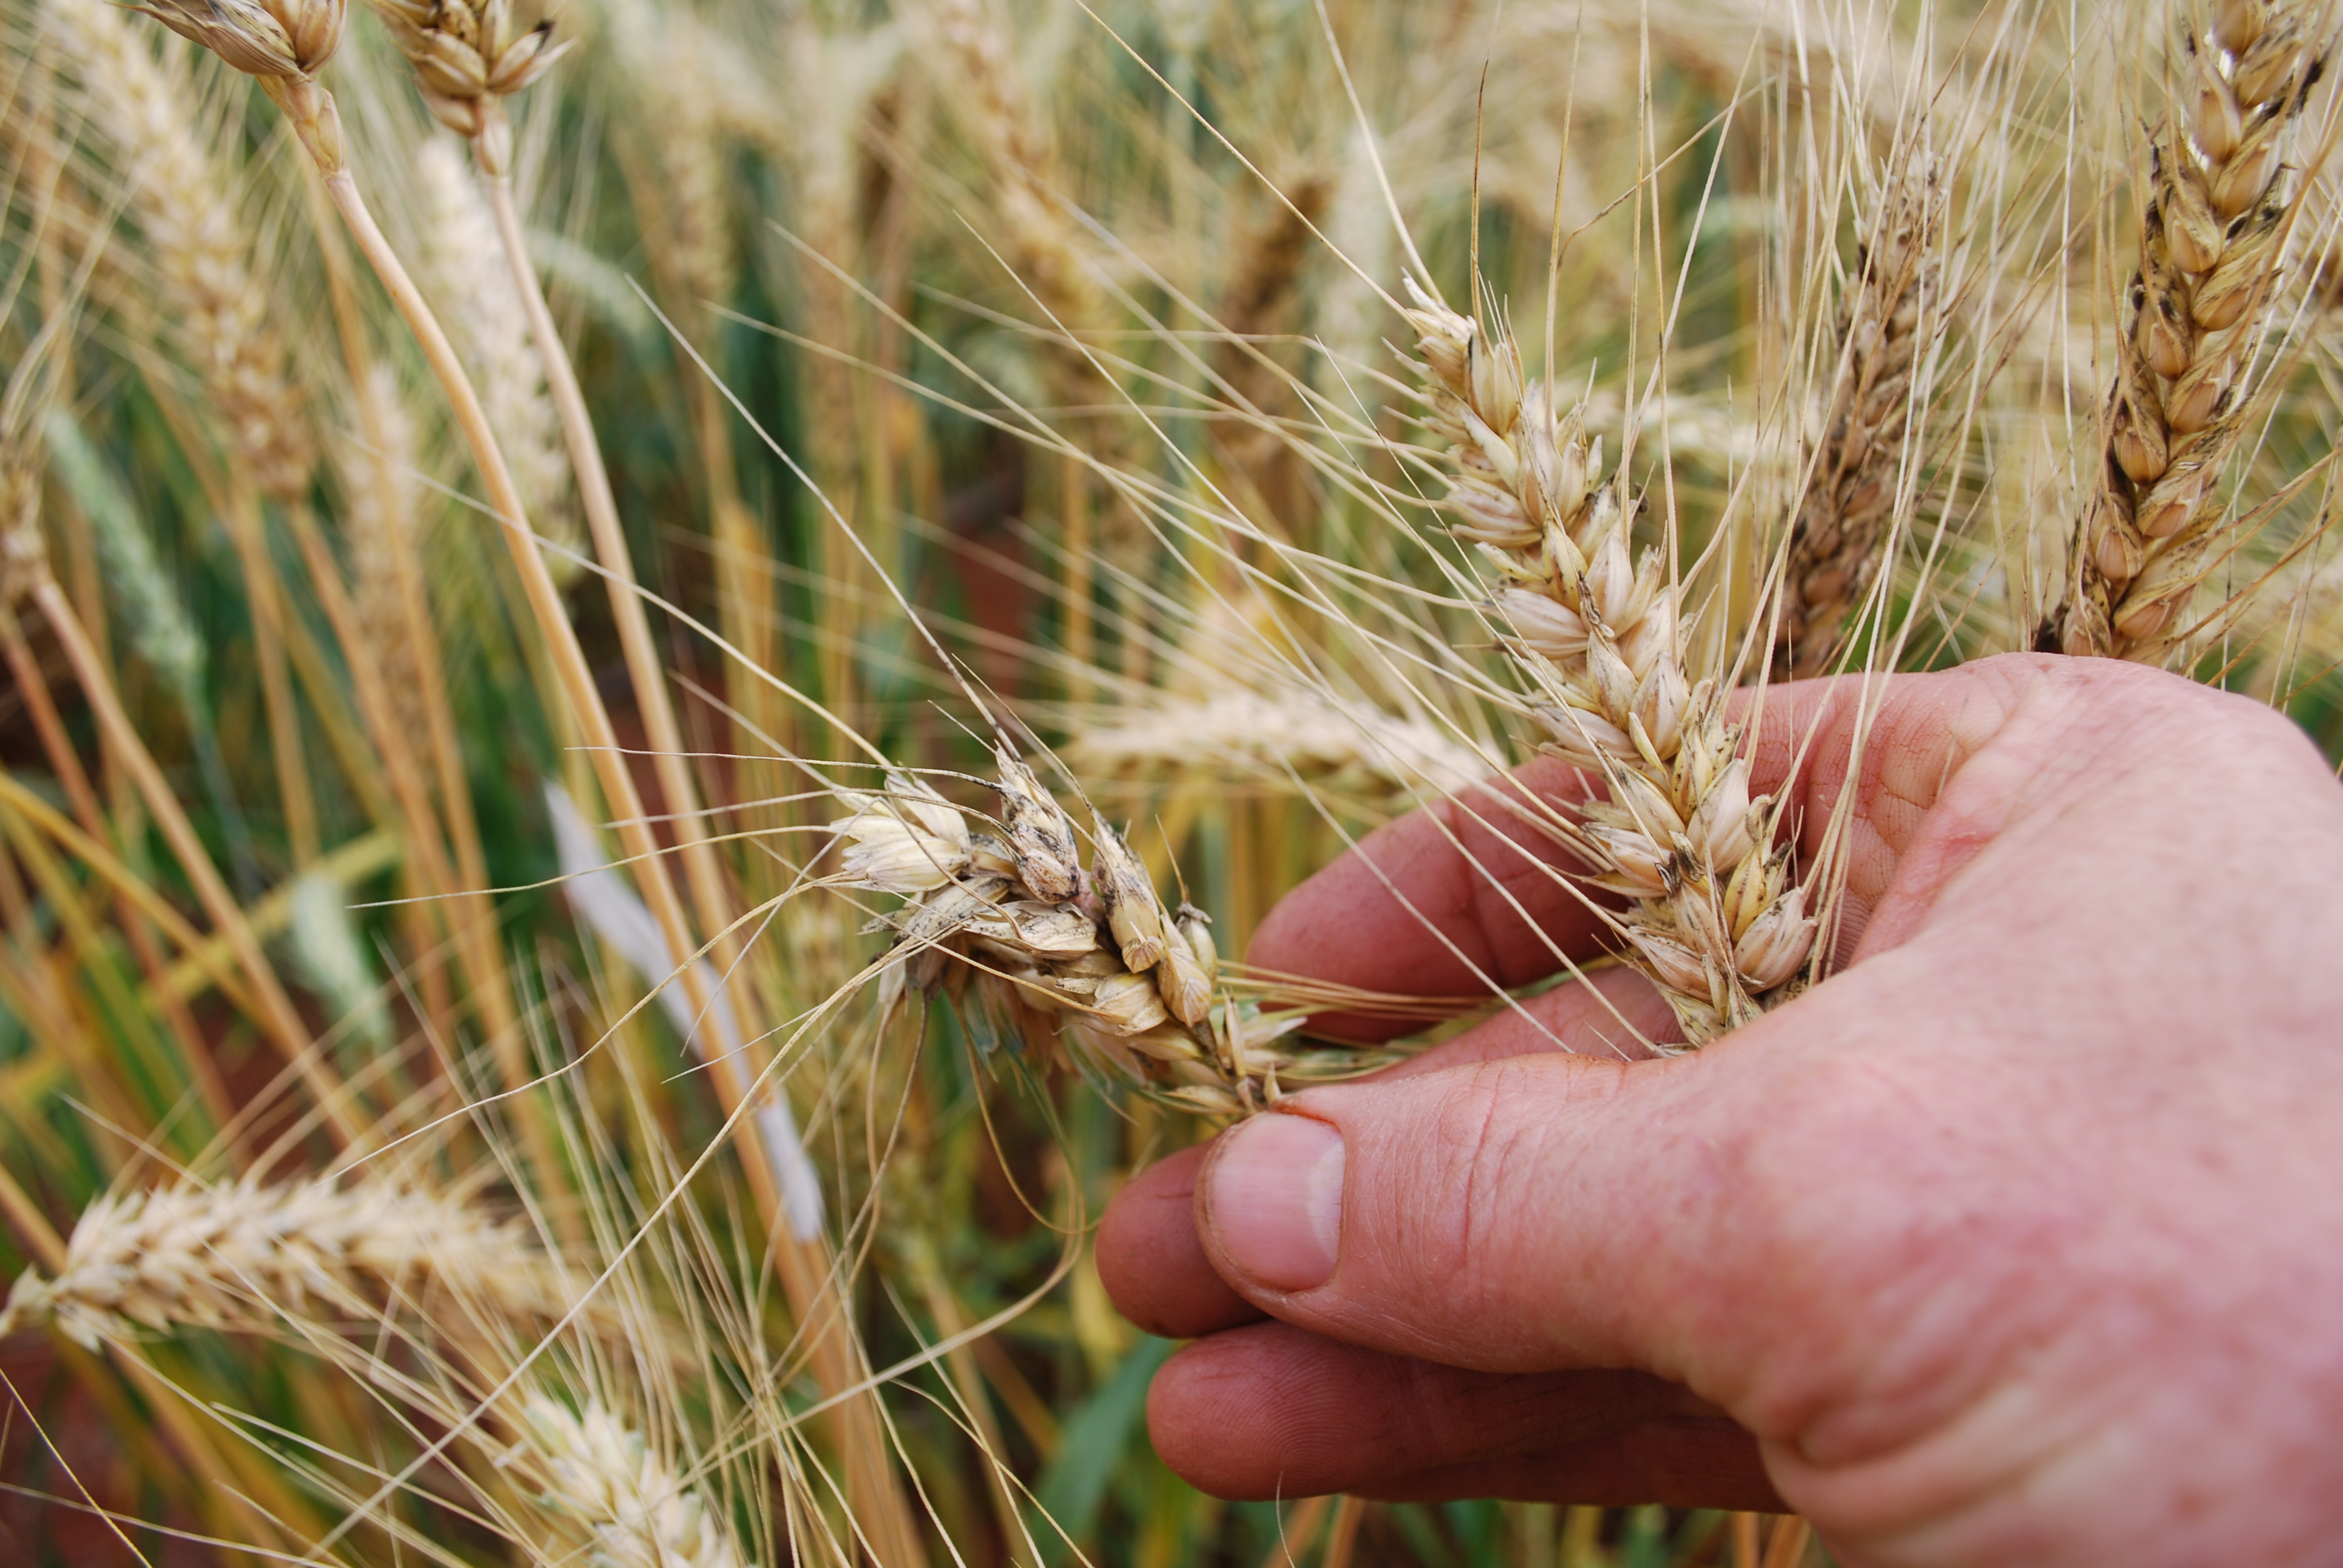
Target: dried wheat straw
{"x": 601, "y": 1475}
{"x": 235, "y": 1257}
{"x": 1716, "y": 921}
{"x": 1886, "y": 320}
{"x": 1052, "y": 950}
{"x": 2212, "y": 228}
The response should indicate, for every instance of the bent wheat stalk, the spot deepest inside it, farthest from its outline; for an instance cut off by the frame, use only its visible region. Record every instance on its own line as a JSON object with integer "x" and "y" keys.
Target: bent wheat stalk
{"x": 2217, "y": 207}
{"x": 1716, "y": 920}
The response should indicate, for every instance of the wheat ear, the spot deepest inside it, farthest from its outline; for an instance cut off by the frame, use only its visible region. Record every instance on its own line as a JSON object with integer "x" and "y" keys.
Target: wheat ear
{"x": 1057, "y": 951}
{"x": 1887, "y": 321}
{"x": 603, "y": 1476}
{"x": 238, "y": 1256}
{"x": 2212, "y": 229}
{"x": 1716, "y": 920}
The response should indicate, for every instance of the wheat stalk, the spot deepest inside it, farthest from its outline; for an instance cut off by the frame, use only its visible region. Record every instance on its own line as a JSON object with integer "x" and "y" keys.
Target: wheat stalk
{"x": 235, "y": 1257}
{"x": 1716, "y": 920}
{"x": 2212, "y": 229}
{"x": 602, "y": 1475}
{"x": 1888, "y": 319}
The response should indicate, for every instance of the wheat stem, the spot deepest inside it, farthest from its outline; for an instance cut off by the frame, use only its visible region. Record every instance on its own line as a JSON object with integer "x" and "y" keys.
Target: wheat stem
{"x": 277, "y": 1017}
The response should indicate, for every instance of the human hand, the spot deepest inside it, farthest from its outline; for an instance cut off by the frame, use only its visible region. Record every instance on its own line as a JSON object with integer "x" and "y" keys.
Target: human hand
{"x": 2018, "y": 1241}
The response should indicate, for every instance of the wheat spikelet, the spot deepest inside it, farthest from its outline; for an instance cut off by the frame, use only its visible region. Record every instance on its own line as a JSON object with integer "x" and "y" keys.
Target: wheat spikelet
{"x": 464, "y": 268}
{"x": 601, "y": 1475}
{"x": 1718, "y": 922}
{"x": 1055, "y": 950}
{"x": 2212, "y": 228}
{"x": 1887, "y": 321}
{"x": 235, "y": 1256}
{"x": 145, "y": 105}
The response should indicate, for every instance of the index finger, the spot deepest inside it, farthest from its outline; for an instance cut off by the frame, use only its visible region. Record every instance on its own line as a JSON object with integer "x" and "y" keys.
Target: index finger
{"x": 1474, "y": 893}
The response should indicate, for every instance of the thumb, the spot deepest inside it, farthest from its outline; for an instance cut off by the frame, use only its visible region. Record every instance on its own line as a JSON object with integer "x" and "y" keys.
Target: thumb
{"x": 1530, "y": 1214}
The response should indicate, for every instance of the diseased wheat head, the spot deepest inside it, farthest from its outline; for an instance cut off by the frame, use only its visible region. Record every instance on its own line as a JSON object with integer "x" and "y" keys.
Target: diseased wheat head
{"x": 468, "y": 54}
{"x": 2213, "y": 218}
{"x": 1054, "y": 950}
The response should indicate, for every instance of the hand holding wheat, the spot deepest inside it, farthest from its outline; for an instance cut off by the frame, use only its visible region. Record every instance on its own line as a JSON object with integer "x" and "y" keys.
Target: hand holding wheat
{"x": 2041, "y": 1164}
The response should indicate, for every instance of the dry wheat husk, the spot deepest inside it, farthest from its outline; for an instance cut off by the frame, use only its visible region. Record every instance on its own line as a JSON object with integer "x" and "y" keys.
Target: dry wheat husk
{"x": 1716, "y": 920}
{"x": 238, "y": 1256}
{"x": 1047, "y": 949}
{"x": 2218, "y": 200}
{"x": 1888, "y": 320}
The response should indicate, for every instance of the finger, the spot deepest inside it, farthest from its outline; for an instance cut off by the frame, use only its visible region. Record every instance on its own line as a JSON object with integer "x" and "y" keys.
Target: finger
{"x": 1467, "y": 893}
{"x": 1614, "y": 1014}
{"x": 1151, "y": 1263}
{"x": 1149, "y": 1257}
{"x": 1462, "y": 896}
{"x": 1542, "y": 1210}
{"x": 1270, "y": 1410}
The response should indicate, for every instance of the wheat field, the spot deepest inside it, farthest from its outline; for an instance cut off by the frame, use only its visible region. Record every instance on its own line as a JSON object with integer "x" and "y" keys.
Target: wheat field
{"x": 661, "y": 653}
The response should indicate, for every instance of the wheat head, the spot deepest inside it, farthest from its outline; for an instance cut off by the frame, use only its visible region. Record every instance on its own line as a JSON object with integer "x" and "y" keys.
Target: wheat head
{"x": 1716, "y": 920}
{"x": 602, "y": 1476}
{"x": 236, "y": 1256}
{"x": 2212, "y": 227}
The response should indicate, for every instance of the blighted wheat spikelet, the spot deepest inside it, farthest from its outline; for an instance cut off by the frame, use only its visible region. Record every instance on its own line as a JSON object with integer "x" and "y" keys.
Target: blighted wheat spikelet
{"x": 146, "y": 109}
{"x": 234, "y": 1257}
{"x": 2211, "y": 229}
{"x": 605, "y": 1477}
{"x": 1890, "y": 312}
{"x": 1717, "y": 921}
{"x": 1051, "y": 949}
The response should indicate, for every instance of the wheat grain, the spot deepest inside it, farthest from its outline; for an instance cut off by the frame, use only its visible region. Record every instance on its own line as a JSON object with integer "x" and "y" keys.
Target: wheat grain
{"x": 2213, "y": 225}
{"x": 1718, "y": 922}
{"x": 236, "y": 1256}
{"x": 1887, "y": 321}
{"x": 145, "y": 107}
{"x": 602, "y": 1475}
